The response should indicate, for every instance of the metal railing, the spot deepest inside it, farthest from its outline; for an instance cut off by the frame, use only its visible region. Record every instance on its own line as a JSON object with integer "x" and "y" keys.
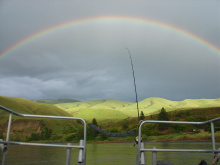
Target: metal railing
{"x": 68, "y": 146}
{"x": 141, "y": 150}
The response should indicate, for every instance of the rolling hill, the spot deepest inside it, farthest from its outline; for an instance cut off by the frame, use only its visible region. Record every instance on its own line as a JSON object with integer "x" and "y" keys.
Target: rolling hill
{"x": 100, "y": 109}
{"x": 23, "y": 127}
{"x": 111, "y": 108}
{"x": 25, "y": 106}
{"x": 112, "y": 114}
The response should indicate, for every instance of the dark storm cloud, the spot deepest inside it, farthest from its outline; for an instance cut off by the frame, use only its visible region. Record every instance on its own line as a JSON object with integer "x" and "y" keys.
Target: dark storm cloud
{"x": 89, "y": 61}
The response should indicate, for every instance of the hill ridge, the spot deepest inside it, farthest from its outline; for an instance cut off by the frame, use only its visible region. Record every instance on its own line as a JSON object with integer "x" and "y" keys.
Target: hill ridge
{"x": 107, "y": 108}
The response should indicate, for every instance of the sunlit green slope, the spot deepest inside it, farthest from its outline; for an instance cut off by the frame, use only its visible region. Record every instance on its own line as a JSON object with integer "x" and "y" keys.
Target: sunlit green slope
{"x": 111, "y": 108}
{"x": 151, "y": 105}
{"x": 25, "y": 106}
{"x": 100, "y": 109}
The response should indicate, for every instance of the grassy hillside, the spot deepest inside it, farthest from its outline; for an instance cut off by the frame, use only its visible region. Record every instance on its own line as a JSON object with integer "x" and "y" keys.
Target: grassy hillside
{"x": 25, "y": 106}
{"x": 50, "y": 101}
{"x": 27, "y": 127}
{"x": 111, "y": 108}
{"x": 148, "y": 106}
{"x": 100, "y": 109}
{"x": 112, "y": 115}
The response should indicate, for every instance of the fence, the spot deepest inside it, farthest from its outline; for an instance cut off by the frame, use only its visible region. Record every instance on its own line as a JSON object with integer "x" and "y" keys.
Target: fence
{"x": 68, "y": 146}
{"x": 141, "y": 150}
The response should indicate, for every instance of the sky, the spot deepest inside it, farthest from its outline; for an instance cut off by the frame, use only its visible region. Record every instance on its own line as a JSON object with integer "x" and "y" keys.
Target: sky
{"x": 76, "y": 49}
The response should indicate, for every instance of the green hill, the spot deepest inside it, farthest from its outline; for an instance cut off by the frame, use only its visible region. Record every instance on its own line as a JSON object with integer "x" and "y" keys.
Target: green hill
{"x": 25, "y": 106}
{"x": 148, "y": 106}
{"x": 100, "y": 109}
{"x": 26, "y": 127}
{"x": 120, "y": 109}
{"x": 112, "y": 115}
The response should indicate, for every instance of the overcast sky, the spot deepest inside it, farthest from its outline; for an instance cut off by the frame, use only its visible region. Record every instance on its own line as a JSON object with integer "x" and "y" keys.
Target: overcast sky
{"x": 88, "y": 61}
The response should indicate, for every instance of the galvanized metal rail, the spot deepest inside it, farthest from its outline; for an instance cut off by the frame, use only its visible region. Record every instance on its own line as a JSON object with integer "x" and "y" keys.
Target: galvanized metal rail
{"x": 141, "y": 150}
{"x": 81, "y": 147}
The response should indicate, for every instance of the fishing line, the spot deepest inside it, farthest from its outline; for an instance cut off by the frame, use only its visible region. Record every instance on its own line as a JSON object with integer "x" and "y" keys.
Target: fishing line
{"x": 131, "y": 132}
{"x": 135, "y": 87}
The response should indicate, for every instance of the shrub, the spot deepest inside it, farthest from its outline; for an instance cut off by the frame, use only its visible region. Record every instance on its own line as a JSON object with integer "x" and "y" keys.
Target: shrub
{"x": 72, "y": 137}
{"x": 33, "y": 137}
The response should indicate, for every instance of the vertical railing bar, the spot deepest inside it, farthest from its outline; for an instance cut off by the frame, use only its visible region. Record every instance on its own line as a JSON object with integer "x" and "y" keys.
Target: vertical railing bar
{"x": 142, "y": 154}
{"x": 9, "y": 127}
{"x": 68, "y": 154}
{"x": 139, "y": 146}
{"x": 80, "y": 156}
{"x": 213, "y": 136}
{"x": 84, "y": 144}
{"x": 154, "y": 157}
{"x": 7, "y": 137}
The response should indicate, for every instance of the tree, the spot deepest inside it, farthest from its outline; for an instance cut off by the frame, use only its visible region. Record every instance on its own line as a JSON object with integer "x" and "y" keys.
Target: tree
{"x": 142, "y": 115}
{"x": 91, "y": 132}
{"x": 94, "y": 122}
{"x": 163, "y": 115}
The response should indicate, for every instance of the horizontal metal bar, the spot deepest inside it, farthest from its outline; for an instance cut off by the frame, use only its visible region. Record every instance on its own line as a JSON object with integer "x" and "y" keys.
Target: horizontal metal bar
{"x": 39, "y": 116}
{"x": 41, "y": 144}
{"x": 51, "y": 117}
{"x": 10, "y": 111}
{"x": 174, "y": 122}
{"x": 179, "y": 150}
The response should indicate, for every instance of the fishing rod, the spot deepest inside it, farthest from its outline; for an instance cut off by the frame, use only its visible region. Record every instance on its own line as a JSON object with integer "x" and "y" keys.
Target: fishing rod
{"x": 131, "y": 132}
{"x": 135, "y": 87}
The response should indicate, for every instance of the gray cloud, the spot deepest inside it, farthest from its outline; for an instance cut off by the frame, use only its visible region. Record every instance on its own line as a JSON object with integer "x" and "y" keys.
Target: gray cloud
{"x": 89, "y": 61}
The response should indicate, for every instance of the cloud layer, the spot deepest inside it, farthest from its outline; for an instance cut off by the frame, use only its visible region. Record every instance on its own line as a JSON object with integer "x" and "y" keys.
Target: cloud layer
{"x": 89, "y": 61}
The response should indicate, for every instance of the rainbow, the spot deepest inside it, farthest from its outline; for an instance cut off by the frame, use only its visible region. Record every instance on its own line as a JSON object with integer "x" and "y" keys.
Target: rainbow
{"x": 109, "y": 18}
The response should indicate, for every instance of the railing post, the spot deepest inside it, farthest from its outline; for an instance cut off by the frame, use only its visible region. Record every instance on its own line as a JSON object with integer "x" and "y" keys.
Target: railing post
{"x": 68, "y": 154}
{"x": 7, "y": 138}
{"x": 154, "y": 157}
{"x": 80, "y": 156}
{"x": 142, "y": 154}
{"x": 9, "y": 127}
{"x": 138, "y": 161}
{"x": 215, "y": 160}
{"x": 213, "y": 136}
{"x": 84, "y": 144}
